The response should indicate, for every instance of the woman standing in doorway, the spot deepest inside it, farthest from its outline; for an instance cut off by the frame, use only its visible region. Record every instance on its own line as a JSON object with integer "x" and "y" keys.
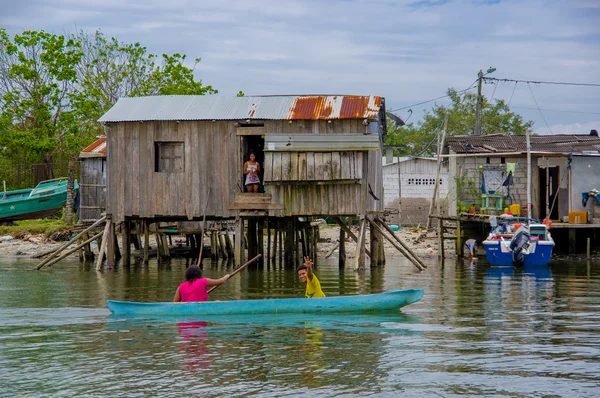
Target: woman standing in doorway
{"x": 251, "y": 171}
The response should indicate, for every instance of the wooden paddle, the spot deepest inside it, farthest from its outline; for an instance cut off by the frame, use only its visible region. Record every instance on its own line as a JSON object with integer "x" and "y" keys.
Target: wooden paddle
{"x": 236, "y": 271}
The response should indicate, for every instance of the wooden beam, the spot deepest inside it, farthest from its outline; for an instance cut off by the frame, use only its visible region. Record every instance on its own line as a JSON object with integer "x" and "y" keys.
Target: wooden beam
{"x": 350, "y": 233}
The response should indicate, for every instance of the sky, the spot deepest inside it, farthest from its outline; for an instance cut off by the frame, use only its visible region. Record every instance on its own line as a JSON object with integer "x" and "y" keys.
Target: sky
{"x": 407, "y": 51}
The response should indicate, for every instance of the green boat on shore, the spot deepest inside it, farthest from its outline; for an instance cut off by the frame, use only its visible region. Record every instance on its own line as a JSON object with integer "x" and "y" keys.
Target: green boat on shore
{"x": 26, "y": 204}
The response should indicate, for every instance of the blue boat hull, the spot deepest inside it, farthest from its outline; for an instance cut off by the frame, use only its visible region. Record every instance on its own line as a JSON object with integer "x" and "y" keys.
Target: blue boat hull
{"x": 340, "y": 304}
{"x": 499, "y": 257}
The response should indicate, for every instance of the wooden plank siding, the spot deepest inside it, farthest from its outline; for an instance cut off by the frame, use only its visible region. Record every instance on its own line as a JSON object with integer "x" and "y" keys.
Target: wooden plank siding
{"x": 92, "y": 188}
{"x": 312, "y": 166}
{"x": 315, "y": 183}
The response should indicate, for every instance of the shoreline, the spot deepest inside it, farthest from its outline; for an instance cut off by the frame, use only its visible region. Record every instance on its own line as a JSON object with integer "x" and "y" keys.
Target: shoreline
{"x": 31, "y": 245}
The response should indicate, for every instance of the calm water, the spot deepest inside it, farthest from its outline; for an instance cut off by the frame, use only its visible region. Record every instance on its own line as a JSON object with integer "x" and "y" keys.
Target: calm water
{"x": 477, "y": 332}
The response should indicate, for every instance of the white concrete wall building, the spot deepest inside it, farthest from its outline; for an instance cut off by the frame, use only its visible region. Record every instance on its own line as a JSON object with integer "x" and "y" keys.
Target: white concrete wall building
{"x": 408, "y": 185}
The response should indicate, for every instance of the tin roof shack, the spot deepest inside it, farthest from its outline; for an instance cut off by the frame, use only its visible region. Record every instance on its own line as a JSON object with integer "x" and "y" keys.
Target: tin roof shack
{"x": 92, "y": 186}
{"x": 561, "y": 167}
{"x": 408, "y": 184}
{"x": 320, "y": 156}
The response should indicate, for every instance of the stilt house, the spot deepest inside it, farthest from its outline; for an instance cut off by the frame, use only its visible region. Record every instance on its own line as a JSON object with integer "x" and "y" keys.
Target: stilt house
{"x": 178, "y": 158}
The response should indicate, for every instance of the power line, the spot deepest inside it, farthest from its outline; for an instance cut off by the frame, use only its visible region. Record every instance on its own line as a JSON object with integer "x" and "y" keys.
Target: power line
{"x": 556, "y": 110}
{"x": 435, "y": 99}
{"x": 538, "y": 107}
{"x": 543, "y": 82}
{"x": 513, "y": 93}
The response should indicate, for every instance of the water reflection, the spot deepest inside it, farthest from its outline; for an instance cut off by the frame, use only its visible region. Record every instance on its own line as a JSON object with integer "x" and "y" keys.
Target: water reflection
{"x": 478, "y": 331}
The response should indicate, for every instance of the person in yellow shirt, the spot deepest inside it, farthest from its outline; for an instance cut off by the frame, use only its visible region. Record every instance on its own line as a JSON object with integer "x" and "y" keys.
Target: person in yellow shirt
{"x": 313, "y": 286}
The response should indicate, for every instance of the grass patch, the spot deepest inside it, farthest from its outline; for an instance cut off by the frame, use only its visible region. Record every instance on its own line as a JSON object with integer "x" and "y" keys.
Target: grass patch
{"x": 34, "y": 227}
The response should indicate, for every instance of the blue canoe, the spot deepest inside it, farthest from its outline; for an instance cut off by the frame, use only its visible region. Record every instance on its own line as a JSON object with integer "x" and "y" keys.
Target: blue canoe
{"x": 367, "y": 303}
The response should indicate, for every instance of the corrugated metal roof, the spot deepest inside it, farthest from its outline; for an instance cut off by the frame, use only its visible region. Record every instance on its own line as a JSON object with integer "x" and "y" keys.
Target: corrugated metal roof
{"x": 499, "y": 143}
{"x": 321, "y": 142}
{"x": 211, "y": 107}
{"x": 96, "y": 149}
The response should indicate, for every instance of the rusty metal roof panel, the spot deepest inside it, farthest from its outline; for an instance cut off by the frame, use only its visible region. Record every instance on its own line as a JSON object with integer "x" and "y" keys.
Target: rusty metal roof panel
{"x": 498, "y": 143}
{"x": 95, "y": 149}
{"x": 211, "y": 107}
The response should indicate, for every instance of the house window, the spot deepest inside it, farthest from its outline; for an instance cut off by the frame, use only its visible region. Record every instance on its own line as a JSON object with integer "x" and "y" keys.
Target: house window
{"x": 168, "y": 157}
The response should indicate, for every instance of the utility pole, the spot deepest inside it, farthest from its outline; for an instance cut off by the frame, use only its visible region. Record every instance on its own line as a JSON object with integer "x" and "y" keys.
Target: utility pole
{"x": 480, "y": 76}
{"x": 478, "y": 106}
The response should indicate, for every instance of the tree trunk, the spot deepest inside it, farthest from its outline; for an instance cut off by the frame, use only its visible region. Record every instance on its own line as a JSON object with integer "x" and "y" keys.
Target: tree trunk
{"x": 70, "y": 189}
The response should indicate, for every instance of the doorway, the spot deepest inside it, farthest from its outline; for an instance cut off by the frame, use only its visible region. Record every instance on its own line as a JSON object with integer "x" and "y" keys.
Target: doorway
{"x": 253, "y": 144}
{"x": 549, "y": 199}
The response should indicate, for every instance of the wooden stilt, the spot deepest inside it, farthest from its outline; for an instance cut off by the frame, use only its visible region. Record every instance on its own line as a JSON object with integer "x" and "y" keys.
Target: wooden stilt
{"x": 303, "y": 237}
{"x": 281, "y": 243}
{"x": 342, "y": 251}
{"x": 274, "y": 251}
{"x": 102, "y": 250}
{"x": 441, "y": 239}
{"x": 87, "y": 250}
{"x": 146, "y": 241}
{"x": 126, "y": 240}
{"x": 110, "y": 238}
{"x": 238, "y": 238}
{"x": 289, "y": 246}
{"x": 252, "y": 244}
{"x": 80, "y": 252}
{"x": 268, "y": 253}
{"x": 459, "y": 249}
{"x": 381, "y": 261}
{"x": 315, "y": 240}
{"x": 221, "y": 237}
{"x": 350, "y": 233}
{"x": 116, "y": 243}
{"x": 375, "y": 241}
{"x": 136, "y": 236}
{"x": 228, "y": 245}
{"x": 260, "y": 240}
{"x": 359, "y": 259}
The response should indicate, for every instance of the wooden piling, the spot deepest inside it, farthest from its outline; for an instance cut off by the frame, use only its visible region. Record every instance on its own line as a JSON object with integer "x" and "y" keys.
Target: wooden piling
{"x": 237, "y": 241}
{"x": 374, "y": 243}
{"x": 359, "y": 259}
{"x": 222, "y": 244}
{"x": 102, "y": 250}
{"x": 260, "y": 240}
{"x": 281, "y": 243}
{"x": 350, "y": 233}
{"x": 126, "y": 240}
{"x": 252, "y": 238}
{"x": 315, "y": 240}
{"x": 146, "y": 241}
{"x": 228, "y": 245}
{"x": 342, "y": 251}
{"x": 110, "y": 238}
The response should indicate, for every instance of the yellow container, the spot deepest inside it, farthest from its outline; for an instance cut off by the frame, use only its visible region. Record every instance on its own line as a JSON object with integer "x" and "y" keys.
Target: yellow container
{"x": 515, "y": 209}
{"x": 578, "y": 217}
{"x": 505, "y": 210}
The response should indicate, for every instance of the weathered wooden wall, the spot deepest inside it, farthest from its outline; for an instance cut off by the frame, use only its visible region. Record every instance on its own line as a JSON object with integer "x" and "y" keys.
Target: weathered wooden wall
{"x": 312, "y": 166}
{"x": 137, "y": 190}
{"x": 212, "y": 160}
{"x": 92, "y": 188}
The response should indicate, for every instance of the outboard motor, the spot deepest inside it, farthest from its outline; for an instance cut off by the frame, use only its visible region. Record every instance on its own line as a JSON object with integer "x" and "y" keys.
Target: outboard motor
{"x": 520, "y": 242}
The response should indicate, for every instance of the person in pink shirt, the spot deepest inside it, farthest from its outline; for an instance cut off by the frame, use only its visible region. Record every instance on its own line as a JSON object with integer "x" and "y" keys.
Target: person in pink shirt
{"x": 194, "y": 287}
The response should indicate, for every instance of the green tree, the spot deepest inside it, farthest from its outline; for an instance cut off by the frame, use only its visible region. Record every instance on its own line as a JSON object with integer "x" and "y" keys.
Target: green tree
{"x": 54, "y": 88}
{"x": 421, "y": 139}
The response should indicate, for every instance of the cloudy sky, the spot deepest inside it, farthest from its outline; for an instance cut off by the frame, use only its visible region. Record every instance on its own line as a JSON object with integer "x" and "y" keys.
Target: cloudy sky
{"x": 408, "y": 51}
